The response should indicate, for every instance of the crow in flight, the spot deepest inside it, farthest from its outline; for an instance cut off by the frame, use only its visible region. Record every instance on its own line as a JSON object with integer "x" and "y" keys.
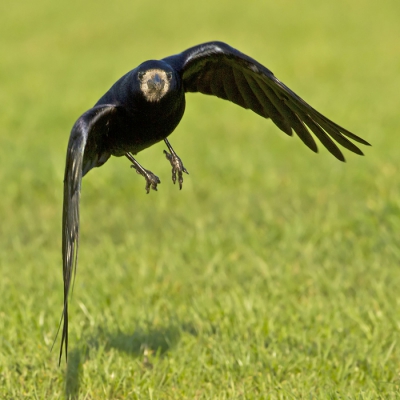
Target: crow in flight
{"x": 146, "y": 105}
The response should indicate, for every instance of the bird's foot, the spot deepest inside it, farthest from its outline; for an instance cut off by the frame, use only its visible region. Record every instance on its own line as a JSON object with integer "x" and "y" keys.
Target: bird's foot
{"x": 177, "y": 167}
{"x": 176, "y": 163}
{"x": 151, "y": 180}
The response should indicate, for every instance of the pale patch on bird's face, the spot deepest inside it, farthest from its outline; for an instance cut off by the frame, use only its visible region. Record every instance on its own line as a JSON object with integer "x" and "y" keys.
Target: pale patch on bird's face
{"x": 154, "y": 83}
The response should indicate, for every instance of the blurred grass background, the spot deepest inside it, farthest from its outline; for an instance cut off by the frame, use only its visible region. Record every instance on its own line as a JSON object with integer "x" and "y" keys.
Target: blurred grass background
{"x": 274, "y": 273}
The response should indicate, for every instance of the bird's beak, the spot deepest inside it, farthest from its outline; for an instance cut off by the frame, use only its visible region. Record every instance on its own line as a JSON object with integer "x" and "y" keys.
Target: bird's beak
{"x": 156, "y": 83}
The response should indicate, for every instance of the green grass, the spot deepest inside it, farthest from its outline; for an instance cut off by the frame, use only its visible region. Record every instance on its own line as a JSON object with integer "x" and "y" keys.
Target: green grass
{"x": 277, "y": 277}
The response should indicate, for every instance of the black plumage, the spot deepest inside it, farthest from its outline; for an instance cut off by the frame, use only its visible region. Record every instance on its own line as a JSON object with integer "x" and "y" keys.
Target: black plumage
{"x": 146, "y": 105}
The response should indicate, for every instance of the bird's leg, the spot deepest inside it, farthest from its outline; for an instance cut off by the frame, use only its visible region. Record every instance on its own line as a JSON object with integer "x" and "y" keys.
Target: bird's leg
{"x": 176, "y": 162}
{"x": 151, "y": 179}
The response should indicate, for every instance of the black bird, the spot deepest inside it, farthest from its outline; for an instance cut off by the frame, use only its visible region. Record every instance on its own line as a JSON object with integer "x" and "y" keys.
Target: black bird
{"x": 146, "y": 105}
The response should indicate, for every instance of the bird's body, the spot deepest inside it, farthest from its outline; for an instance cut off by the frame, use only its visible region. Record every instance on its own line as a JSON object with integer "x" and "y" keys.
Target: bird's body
{"x": 134, "y": 123}
{"x": 146, "y": 105}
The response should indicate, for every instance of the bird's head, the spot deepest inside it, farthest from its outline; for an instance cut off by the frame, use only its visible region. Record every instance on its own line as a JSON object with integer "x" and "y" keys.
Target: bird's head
{"x": 154, "y": 82}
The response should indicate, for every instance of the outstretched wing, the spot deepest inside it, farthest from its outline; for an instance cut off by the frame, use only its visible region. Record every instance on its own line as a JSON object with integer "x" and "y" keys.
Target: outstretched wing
{"x": 84, "y": 152}
{"x": 217, "y": 69}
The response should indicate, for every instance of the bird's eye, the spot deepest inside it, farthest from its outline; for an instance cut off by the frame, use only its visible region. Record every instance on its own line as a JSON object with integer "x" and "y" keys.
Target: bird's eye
{"x": 169, "y": 75}
{"x": 140, "y": 75}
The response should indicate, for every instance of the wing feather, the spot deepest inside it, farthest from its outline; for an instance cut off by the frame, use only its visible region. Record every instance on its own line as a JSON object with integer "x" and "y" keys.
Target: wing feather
{"x": 247, "y": 93}
{"x": 83, "y": 153}
{"x": 316, "y": 128}
{"x": 292, "y": 118}
{"x": 230, "y": 86}
{"x": 269, "y": 108}
{"x": 217, "y": 69}
{"x": 217, "y": 88}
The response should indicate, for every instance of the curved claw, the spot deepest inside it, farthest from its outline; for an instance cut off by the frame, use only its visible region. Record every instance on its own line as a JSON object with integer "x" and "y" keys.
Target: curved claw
{"x": 151, "y": 180}
{"x": 177, "y": 167}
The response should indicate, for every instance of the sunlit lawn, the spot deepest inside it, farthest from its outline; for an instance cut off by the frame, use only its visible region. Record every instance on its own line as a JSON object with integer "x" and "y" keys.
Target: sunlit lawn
{"x": 274, "y": 273}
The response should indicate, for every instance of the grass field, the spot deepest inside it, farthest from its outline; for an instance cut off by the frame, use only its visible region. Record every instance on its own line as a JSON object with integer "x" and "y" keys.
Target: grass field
{"x": 274, "y": 278}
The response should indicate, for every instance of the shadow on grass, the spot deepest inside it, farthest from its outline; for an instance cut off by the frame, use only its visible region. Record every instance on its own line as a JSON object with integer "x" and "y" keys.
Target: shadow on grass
{"x": 141, "y": 343}
{"x": 72, "y": 375}
{"x": 157, "y": 341}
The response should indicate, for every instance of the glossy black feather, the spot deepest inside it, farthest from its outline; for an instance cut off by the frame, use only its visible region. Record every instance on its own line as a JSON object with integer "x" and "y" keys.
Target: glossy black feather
{"x": 146, "y": 105}
{"x": 84, "y": 152}
{"x": 251, "y": 84}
